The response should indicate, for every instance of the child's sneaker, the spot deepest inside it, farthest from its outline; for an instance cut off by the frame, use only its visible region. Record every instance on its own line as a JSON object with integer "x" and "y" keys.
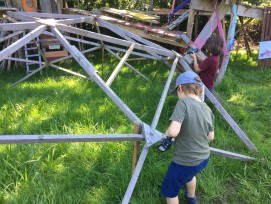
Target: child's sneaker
{"x": 190, "y": 200}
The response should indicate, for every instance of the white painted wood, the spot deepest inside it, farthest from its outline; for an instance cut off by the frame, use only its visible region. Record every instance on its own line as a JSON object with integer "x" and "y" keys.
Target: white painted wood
{"x": 68, "y": 71}
{"x": 113, "y": 40}
{"x": 89, "y": 19}
{"x": 21, "y": 42}
{"x": 29, "y": 139}
{"x": 24, "y": 60}
{"x": 11, "y": 35}
{"x": 127, "y": 64}
{"x": 133, "y": 53}
{"x": 49, "y": 15}
{"x": 29, "y": 75}
{"x": 242, "y": 10}
{"x": 22, "y": 26}
{"x": 230, "y": 155}
{"x": 121, "y": 63}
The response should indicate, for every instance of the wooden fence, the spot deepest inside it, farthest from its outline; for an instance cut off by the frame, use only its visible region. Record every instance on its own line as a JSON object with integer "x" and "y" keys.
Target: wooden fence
{"x": 266, "y": 35}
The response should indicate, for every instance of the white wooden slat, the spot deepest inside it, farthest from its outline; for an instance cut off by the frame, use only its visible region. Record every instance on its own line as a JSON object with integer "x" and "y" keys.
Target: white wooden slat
{"x": 21, "y": 42}
{"x": 127, "y": 64}
{"x": 22, "y": 26}
{"x": 119, "y": 66}
{"x": 11, "y": 35}
{"x": 28, "y": 139}
{"x": 91, "y": 71}
{"x": 105, "y": 38}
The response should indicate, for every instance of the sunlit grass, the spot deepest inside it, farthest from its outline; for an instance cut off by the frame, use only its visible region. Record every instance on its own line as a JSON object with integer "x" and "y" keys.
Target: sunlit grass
{"x": 57, "y": 103}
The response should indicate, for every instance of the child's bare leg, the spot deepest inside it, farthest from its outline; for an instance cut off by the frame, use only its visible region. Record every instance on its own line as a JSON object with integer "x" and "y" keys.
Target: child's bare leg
{"x": 191, "y": 187}
{"x": 174, "y": 200}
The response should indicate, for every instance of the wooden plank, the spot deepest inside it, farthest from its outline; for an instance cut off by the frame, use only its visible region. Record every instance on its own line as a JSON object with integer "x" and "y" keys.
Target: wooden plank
{"x": 136, "y": 146}
{"x": 21, "y": 16}
{"x": 46, "y": 6}
{"x": 164, "y": 11}
{"x": 119, "y": 66}
{"x": 74, "y": 39}
{"x": 231, "y": 155}
{"x": 21, "y": 42}
{"x": 29, "y": 139}
{"x": 29, "y": 75}
{"x": 230, "y": 42}
{"x": 123, "y": 33}
{"x": 11, "y": 35}
{"x": 138, "y": 29}
{"x": 127, "y": 64}
{"x": 242, "y": 10}
{"x": 68, "y": 71}
{"x": 132, "y": 14}
{"x": 49, "y": 15}
{"x": 112, "y": 40}
{"x": 131, "y": 186}
{"x": 244, "y": 25}
{"x": 4, "y": 9}
{"x": 24, "y": 60}
{"x": 17, "y": 4}
{"x": 70, "y": 56}
{"x": 18, "y": 26}
{"x": 91, "y": 71}
{"x": 247, "y": 11}
{"x": 267, "y": 22}
{"x": 190, "y": 23}
{"x": 56, "y": 54}
{"x": 77, "y": 20}
{"x": 134, "y": 53}
{"x": 164, "y": 94}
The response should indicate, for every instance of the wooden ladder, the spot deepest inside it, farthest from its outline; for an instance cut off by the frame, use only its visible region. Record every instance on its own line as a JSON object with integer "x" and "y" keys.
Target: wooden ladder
{"x": 180, "y": 19}
{"x": 32, "y": 54}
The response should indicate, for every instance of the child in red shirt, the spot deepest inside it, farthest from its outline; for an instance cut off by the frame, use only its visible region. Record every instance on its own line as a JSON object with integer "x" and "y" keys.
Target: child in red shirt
{"x": 209, "y": 66}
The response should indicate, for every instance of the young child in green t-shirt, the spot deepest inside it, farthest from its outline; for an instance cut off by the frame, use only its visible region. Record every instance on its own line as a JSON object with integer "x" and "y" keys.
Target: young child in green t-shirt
{"x": 192, "y": 126}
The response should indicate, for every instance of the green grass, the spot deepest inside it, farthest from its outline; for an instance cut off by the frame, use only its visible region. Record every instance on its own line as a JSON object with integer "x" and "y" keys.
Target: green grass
{"x": 58, "y": 103}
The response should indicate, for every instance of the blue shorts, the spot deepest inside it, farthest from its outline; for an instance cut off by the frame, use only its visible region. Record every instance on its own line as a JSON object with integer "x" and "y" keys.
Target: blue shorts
{"x": 177, "y": 176}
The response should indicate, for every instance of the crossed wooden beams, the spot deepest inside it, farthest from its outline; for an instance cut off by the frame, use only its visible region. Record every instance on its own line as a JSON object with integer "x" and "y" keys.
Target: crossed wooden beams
{"x": 144, "y": 48}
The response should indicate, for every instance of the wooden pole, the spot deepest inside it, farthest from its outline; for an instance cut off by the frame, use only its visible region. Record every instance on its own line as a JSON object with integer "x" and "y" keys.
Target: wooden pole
{"x": 245, "y": 38}
{"x": 121, "y": 63}
{"x": 136, "y": 146}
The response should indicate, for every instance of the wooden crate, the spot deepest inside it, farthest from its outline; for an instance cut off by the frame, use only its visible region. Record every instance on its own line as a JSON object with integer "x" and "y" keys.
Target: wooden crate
{"x": 52, "y": 48}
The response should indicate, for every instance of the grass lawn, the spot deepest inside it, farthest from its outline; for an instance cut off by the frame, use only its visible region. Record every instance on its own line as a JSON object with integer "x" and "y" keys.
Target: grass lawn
{"x": 58, "y": 103}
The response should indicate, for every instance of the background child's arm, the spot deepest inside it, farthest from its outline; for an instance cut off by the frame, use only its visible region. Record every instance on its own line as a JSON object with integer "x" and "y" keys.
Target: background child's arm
{"x": 196, "y": 65}
{"x": 173, "y": 129}
{"x": 211, "y": 136}
{"x": 199, "y": 57}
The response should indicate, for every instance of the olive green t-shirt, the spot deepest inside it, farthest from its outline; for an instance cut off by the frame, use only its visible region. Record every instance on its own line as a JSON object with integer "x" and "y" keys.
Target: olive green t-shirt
{"x": 191, "y": 144}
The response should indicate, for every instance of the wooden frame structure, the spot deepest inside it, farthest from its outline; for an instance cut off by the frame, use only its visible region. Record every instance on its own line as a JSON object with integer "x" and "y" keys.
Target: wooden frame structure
{"x": 36, "y": 24}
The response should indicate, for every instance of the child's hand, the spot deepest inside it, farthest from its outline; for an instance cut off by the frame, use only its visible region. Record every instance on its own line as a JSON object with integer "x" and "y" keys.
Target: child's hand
{"x": 193, "y": 55}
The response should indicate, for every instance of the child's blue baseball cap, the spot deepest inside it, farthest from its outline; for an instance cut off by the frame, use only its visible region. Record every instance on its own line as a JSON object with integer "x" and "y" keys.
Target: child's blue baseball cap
{"x": 188, "y": 77}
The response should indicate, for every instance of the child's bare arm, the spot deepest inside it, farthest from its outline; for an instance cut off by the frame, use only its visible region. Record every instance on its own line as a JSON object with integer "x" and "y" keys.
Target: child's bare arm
{"x": 173, "y": 129}
{"x": 211, "y": 136}
{"x": 195, "y": 63}
{"x": 199, "y": 57}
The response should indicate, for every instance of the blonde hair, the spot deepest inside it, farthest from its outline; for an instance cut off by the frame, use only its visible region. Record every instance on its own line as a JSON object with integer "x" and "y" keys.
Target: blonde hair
{"x": 192, "y": 88}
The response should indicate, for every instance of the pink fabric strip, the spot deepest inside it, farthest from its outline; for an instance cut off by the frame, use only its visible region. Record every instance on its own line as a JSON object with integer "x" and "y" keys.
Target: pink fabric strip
{"x": 206, "y": 32}
{"x": 220, "y": 30}
{"x": 172, "y": 7}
